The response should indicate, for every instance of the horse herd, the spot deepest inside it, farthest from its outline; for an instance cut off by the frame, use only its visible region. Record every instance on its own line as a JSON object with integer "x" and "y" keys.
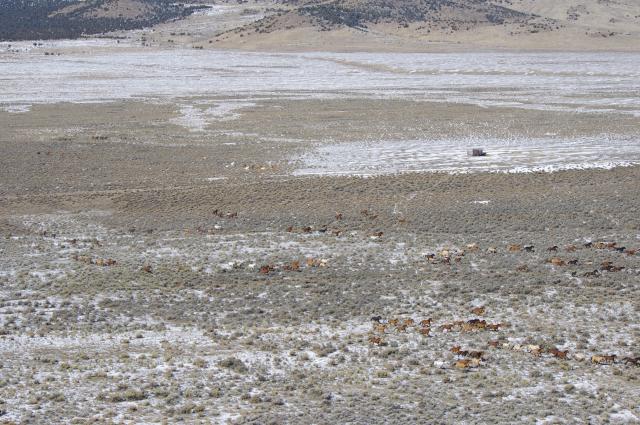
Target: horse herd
{"x": 466, "y": 358}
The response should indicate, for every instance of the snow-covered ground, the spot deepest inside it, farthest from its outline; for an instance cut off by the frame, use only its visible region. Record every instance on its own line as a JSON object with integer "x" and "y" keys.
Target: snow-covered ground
{"x": 196, "y": 117}
{"x": 452, "y": 156}
{"x": 595, "y": 83}
{"x": 215, "y": 9}
{"x": 567, "y": 81}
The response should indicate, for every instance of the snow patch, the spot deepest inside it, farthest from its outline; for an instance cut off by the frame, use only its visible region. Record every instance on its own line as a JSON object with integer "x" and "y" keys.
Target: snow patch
{"x": 16, "y": 109}
{"x": 196, "y": 118}
{"x": 450, "y": 156}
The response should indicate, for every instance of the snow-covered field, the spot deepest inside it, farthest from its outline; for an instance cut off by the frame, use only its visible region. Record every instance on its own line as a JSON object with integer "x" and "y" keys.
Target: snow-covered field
{"x": 568, "y": 81}
{"x": 196, "y": 117}
{"x": 452, "y": 156}
{"x": 581, "y": 83}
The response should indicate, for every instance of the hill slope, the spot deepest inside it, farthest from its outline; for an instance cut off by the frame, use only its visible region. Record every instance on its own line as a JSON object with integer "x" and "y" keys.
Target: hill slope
{"x": 46, "y": 19}
{"x": 416, "y": 24}
{"x": 368, "y": 25}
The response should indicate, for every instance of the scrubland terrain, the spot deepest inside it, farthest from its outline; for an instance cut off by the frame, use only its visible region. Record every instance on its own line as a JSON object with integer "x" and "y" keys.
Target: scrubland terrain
{"x": 220, "y": 257}
{"x": 196, "y": 235}
{"x": 253, "y": 302}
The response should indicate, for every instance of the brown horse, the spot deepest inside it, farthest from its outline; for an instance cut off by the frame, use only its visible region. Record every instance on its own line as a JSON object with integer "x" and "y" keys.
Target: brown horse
{"x": 401, "y": 327}
{"x": 380, "y": 327}
{"x": 466, "y": 363}
{"x": 447, "y": 327}
{"x": 266, "y": 269}
{"x": 425, "y": 323}
{"x": 457, "y": 350}
{"x": 558, "y": 354}
{"x": 608, "y": 359}
{"x": 293, "y": 267}
{"x": 376, "y": 340}
{"x": 478, "y": 311}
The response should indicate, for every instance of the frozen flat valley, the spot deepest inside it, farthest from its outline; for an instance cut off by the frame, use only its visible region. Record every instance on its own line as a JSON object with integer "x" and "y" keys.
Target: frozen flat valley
{"x": 580, "y": 83}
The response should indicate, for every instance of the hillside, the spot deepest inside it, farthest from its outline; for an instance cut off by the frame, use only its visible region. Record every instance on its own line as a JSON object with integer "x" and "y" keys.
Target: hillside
{"x": 451, "y": 13}
{"x": 47, "y": 19}
{"x": 430, "y": 24}
{"x": 345, "y": 25}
